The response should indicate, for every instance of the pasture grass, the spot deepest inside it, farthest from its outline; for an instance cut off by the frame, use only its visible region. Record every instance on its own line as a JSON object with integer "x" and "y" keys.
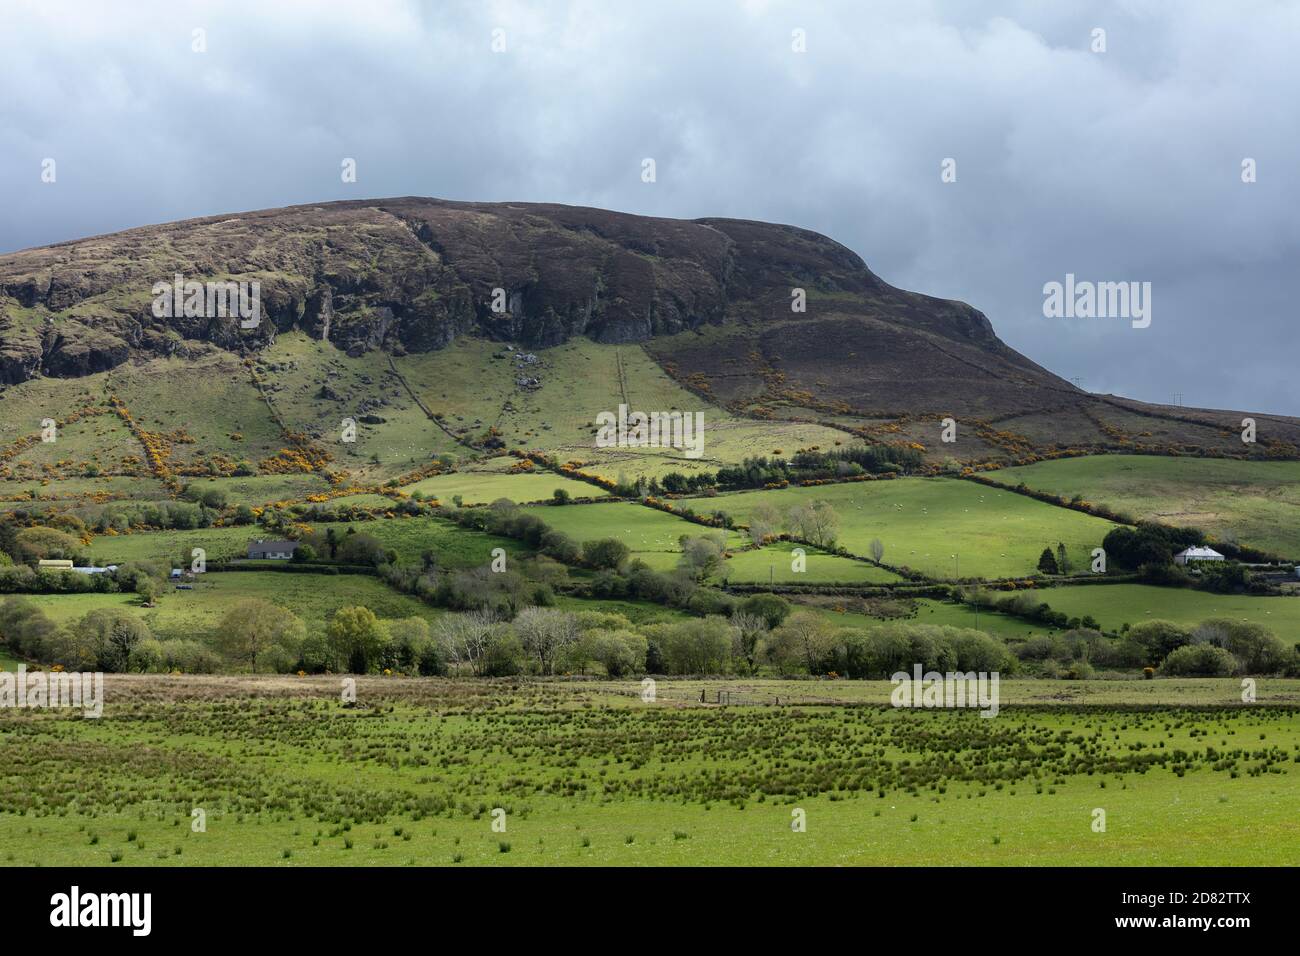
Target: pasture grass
{"x": 481, "y": 488}
{"x": 1255, "y": 502}
{"x": 1114, "y": 605}
{"x": 194, "y": 613}
{"x": 645, "y": 530}
{"x": 923, "y": 522}
{"x": 287, "y": 775}
{"x": 775, "y": 563}
{"x": 456, "y": 547}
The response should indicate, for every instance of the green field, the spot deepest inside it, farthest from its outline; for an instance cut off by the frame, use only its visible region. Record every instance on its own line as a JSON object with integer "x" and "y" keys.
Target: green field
{"x": 74, "y": 494}
{"x": 285, "y": 775}
{"x": 775, "y": 563}
{"x": 167, "y": 546}
{"x": 191, "y": 614}
{"x": 1116, "y": 604}
{"x": 28, "y": 403}
{"x": 963, "y": 615}
{"x": 1253, "y": 502}
{"x": 485, "y": 487}
{"x": 409, "y": 537}
{"x": 923, "y": 522}
{"x": 99, "y": 440}
{"x": 258, "y": 490}
{"x": 1181, "y": 692}
{"x": 646, "y": 531}
{"x": 930, "y": 611}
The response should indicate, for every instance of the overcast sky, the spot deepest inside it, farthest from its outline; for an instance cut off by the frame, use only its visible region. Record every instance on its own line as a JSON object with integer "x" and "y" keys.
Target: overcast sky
{"x": 1123, "y": 165}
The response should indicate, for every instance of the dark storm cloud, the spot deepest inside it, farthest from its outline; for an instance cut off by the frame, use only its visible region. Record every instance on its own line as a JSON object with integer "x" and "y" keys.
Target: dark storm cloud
{"x": 1123, "y": 165}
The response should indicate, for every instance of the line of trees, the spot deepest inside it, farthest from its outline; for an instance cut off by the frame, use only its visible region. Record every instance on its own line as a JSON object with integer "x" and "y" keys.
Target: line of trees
{"x": 1219, "y": 647}
{"x": 811, "y": 464}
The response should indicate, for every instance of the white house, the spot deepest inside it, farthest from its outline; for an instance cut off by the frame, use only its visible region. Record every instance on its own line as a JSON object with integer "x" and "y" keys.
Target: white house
{"x": 1197, "y": 554}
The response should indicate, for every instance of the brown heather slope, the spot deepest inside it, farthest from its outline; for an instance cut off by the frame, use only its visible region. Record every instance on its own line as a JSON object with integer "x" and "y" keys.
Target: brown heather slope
{"x": 710, "y": 299}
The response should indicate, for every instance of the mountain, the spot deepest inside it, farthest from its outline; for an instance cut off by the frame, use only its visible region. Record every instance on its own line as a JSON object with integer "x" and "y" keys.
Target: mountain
{"x": 710, "y": 300}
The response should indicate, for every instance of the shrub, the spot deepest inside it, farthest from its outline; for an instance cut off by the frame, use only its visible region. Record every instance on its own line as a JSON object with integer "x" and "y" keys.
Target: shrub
{"x": 413, "y": 648}
{"x": 146, "y": 657}
{"x": 772, "y": 608}
{"x": 1148, "y": 543}
{"x": 189, "y": 657}
{"x": 32, "y": 544}
{"x": 252, "y": 627}
{"x": 1199, "y": 660}
{"x": 29, "y": 633}
{"x": 698, "y": 646}
{"x": 1078, "y": 670}
{"x": 357, "y": 639}
{"x": 1254, "y": 646}
{"x": 619, "y": 651}
{"x": 1157, "y": 639}
{"x": 504, "y": 652}
{"x": 315, "y": 655}
{"x": 708, "y": 601}
{"x": 605, "y": 553}
{"x": 561, "y": 547}
{"x": 108, "y": 636}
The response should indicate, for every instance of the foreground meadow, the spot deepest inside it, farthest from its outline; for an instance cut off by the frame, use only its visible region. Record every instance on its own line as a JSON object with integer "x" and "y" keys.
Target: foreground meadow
{"x": 284, "y": 773}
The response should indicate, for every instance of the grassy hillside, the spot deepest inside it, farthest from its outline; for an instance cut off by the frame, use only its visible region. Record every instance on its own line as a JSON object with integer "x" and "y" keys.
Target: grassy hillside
{"x": 410, "y": 537}
{"x": 775, "y": 562}
{"x": 191, "y": 614}
{"x": 314, "y": 387}
{"x": 1253, "y": 502}
{"x": 213, "y": 400}
{"x": 929, "y": 611}
{"x": 644, "y": 530}
{"x": 472, "y": 384}
{"x": 923, "y": 522}
{"x": 1117, "y": 604}
{"x": 485, "y": 487}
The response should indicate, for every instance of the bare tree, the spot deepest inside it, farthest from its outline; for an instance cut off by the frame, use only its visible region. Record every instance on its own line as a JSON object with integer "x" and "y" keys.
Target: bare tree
{"x": 468, "y": 638}
{"x": 877, "y": 550}
{"x": 545, "y": 632}
{"x": 815, "y": 522}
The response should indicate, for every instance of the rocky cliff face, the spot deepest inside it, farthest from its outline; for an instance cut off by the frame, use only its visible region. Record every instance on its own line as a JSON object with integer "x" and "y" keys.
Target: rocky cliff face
{"x": 413, "y": 274}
